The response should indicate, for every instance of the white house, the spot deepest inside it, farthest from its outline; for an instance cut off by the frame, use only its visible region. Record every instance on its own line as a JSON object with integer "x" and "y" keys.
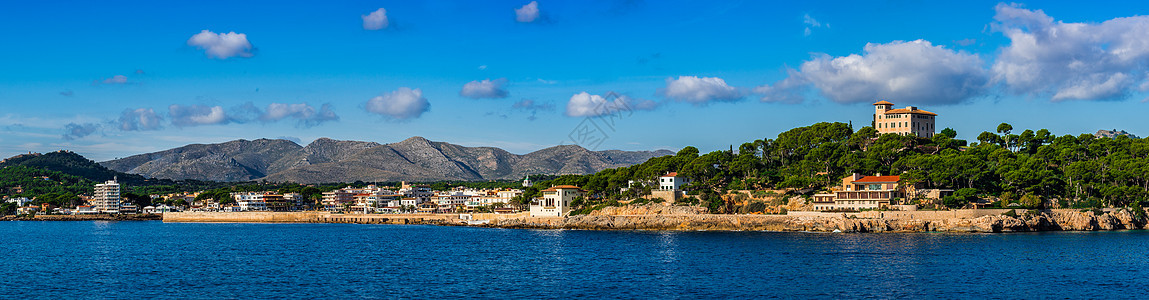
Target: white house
{"x": 250, "y": 201}
{"x": 672, "y": 182}
{"x": 20, "y": 202}
{"x": 556, "y": 201}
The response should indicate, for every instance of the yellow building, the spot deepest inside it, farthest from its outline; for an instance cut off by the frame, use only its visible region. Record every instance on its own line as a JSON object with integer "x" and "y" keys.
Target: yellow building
{"x": 909, "y": 121}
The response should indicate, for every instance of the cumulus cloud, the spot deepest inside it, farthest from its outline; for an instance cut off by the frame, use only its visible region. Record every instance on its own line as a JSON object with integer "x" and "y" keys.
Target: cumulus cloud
{"x": 401, "y": 104}
{"x": 375, "y": 20}
{"x": 305, "y": 114}
{"x": 139, "y": 119}
{"x": 1071, "y": 61}
{"x": 222, "y": 45}
{"x": 699, "y": 90}
{"x": 485, "y": 89}
{"x": 904, "y": 72}
{"x": 196, "y": 115}
{"x": 528, "y": 13}
{"x": 587, "y": 105}
{"x": 74, "y": 131}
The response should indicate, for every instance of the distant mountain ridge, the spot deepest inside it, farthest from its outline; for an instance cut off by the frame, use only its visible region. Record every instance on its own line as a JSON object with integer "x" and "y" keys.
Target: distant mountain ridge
{"x": 327, "y": 160}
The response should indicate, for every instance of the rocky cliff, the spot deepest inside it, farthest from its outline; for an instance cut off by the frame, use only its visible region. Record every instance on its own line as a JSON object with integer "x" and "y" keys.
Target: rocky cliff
{"x": 633, "y": 219}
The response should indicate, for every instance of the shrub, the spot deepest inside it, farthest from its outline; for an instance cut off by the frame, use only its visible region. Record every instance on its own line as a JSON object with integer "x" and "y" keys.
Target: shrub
{"x": 1009, "y": 213}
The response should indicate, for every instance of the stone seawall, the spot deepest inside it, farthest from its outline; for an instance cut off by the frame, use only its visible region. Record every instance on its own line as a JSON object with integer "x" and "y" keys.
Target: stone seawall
{"x": 307, "y": 217}
{"x": 96, "y": 217}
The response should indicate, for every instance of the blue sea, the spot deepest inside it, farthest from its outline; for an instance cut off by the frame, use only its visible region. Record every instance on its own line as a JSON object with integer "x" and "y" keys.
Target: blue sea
{"x": 147, "y": 260}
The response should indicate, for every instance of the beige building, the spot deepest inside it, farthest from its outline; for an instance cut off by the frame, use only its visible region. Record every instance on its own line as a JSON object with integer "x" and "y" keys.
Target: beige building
{"x": 909, "y": 121}
{"x": 859, "y": 192}
{"x": 556, "y": 201}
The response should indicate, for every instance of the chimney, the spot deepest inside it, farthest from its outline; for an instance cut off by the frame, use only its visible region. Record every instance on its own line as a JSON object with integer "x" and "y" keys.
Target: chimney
{"x": 879, "y": 174}
{"x": 911, "y": 108}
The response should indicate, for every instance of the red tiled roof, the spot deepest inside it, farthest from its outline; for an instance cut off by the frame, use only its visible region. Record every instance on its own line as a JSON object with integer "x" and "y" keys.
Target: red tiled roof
{"x": 883, "y": 102}
{"x": 671, "y": 174}
{"x": 907, "y": 111}
{"x": 878, "y": 179}
{"x": 561, "y": 187}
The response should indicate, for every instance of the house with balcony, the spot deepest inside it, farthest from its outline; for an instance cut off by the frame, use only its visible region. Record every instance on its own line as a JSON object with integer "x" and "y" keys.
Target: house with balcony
{"x": 556, "y": 201}
{"x": 857, "y": 192}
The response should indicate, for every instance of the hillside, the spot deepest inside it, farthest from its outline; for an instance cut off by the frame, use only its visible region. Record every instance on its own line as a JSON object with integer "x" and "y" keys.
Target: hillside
{"x": 70, "y": 163}
{"x": 328, "y": 160}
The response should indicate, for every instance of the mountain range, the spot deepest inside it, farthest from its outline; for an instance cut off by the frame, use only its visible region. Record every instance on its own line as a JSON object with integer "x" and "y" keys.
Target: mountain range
{"x": 326, "y": 160}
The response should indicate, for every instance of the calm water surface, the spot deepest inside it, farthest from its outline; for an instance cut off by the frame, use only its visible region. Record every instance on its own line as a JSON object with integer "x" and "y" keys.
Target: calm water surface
{"x": 158, "y": 260}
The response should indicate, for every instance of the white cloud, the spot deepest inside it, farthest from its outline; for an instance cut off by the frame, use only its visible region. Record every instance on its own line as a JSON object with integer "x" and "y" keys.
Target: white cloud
{"x": 586, "y": 105}
{"x": 699, "y": 90}
{"x": 913, "y": 72}
{"x": 74, "y": 131}
{"x": 118, "y": 79}
{"x": 222, "y": 45}
{"x": 139, "y": 119}
{"x": 808, "y": 20}
{"x": 375, "y": 20}
{"x": 1071, "y": 61}
{"x": 403, "y": 103}
{"x": 811, "y": 23}
{"x": 788, "y": 90}
{"x": 528, "y": 13}
{"x": 306, "y": 114}
{"x": 195, "y": 115}
{"x": 485, "y": 89}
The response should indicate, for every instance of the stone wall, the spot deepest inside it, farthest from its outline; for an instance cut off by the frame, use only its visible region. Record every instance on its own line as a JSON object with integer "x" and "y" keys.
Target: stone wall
{"x": 307, "y": 217}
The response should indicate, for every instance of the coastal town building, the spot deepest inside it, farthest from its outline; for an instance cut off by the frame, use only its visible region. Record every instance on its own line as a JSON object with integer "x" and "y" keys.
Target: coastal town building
{"x": 250, "y": 201}
{"x": 19, "y": 201}
{"x": 556, "y": 201}
{"x": 857, "y": 192}
{"x": 106, "y": 197}
{"x": 909, "y": 121}
{"x": 672, "y": 182}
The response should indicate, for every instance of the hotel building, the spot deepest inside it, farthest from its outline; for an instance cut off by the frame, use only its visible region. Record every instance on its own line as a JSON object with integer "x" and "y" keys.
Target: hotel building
{"x": 909, "y": 121}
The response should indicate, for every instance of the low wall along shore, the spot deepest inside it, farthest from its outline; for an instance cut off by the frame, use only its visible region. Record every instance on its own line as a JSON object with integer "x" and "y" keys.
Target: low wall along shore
{"x": 306, "y": 217}
{"x": 659, "y": 217}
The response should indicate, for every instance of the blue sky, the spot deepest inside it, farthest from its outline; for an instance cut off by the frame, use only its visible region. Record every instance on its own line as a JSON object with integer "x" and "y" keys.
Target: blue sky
{"x": 117, "y": 78}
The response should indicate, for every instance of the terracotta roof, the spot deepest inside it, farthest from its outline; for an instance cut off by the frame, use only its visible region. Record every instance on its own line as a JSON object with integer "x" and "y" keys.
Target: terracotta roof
{"x": 561, "y": 187}
{"x": 907, "y": 111}
{"x": 883, "y": 102}
{"x": 671, "y": 174}
{"x": 878, "y": 179}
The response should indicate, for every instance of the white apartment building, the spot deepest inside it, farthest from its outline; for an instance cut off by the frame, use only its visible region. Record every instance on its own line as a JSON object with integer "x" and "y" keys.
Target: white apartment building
{"x": 106, "y": 198}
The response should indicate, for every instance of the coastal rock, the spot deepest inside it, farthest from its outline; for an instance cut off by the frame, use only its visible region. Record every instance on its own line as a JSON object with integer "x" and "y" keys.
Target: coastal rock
{"x": 649, "y": 209}
{"x": 658, "y": 217}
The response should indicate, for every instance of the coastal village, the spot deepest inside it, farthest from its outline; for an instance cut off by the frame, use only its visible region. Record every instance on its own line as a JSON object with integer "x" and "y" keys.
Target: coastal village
{"x": 854, "y": 193}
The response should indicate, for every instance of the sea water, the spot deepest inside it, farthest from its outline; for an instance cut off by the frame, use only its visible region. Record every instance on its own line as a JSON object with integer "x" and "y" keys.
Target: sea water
{"x": 259, "y": 261}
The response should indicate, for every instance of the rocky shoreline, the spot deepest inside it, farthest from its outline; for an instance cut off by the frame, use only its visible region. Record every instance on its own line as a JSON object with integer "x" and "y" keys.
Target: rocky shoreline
{"x": 676, "y": 218}
{"x": 1028, "y": 221}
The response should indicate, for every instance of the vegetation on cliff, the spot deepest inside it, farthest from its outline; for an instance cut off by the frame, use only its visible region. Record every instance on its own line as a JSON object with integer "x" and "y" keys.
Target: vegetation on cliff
{"x": 1031, "y": 169}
